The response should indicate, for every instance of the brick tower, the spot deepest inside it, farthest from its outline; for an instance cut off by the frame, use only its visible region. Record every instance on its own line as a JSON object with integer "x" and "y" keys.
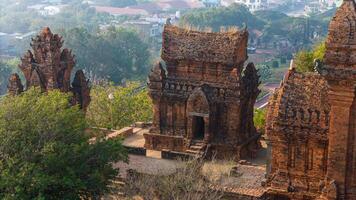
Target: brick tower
{"x": 339, "y": 69}
{"x": 49, "y": 67}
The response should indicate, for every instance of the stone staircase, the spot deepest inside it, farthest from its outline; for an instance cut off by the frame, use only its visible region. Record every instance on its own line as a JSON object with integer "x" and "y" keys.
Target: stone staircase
{"x": 197, "y": 148}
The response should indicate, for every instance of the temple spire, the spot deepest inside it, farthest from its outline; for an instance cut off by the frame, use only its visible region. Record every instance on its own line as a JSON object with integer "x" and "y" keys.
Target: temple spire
{"x": 49, "y": 67}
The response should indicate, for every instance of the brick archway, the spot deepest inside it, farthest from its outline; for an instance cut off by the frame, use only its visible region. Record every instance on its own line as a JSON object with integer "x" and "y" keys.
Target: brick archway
{"x": 198, "y": 114}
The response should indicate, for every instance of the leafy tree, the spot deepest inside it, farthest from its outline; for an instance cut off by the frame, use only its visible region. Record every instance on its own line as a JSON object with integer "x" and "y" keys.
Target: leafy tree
{"x": 45, "y": 153}
{"x": 128, "y": 105}
{"x": 76, "y": 14}
{"x": 270, "y": 16}
{"x": 259, "y": 119}
{"x": 265, "y": 72}
{"x": 275, "y": 64}
{"x": 118, "y": 3}
{"x": 304, "y": 60}
{"x": 4, "y": 75}
{"x": 319, "y": 51}
{"x": 234, "y": 15}
{"x": 6, "y": 68}
{"x": 283, "y": 60}
{"x": 113, "y": 54}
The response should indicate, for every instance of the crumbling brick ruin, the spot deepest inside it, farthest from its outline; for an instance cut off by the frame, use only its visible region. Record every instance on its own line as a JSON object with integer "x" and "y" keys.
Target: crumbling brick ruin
{"x": 205, "y": 100}
{"x": 49, "y": 67}
{"x": 311, "y": 122}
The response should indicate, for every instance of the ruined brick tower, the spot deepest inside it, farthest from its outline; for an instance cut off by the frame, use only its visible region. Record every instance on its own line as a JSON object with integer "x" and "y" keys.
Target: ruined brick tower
{"x": 339, "y": 69}
{"x": 203, "y": 103}
{"x": 49, "y": 67}
{"x": 311, "y": 122}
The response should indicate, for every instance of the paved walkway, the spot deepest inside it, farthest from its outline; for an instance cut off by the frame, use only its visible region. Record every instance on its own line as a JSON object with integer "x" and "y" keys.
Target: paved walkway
{"x": 148, "y": 165}
{"x": 249, "y": 183}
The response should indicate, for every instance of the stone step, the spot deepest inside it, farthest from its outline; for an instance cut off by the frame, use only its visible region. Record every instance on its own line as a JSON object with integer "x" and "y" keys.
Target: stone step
{"x": 192, "y": 151}
{"x": 196, "y": 147}
{"x": 198, "y": 143}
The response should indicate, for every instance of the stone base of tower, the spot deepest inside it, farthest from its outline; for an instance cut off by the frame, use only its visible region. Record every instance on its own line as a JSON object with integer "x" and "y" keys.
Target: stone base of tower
{"x": 245, "y": 150}
{"x": 277, "y": 194}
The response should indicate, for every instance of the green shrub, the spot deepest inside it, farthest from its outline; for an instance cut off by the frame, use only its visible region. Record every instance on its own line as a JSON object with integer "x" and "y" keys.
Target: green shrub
{"x": 259, "y": 119}
{"x": 128, "y": 105}
{"x": 304, "y": 60}
{"x": 275, "y": 64}
{"x": 45, "y": 153}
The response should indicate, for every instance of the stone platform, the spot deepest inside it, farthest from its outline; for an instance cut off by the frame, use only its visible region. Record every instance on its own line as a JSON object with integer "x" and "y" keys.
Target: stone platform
{"x": 247, "y": 184}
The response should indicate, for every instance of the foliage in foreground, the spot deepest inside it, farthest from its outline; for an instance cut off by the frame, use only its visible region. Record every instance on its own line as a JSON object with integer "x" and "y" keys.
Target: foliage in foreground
{"x": 44, "y": 151}
{"x": 188, "y": 183}
{"x": 259, "y": 119}
{"x": 304, "y": 60}
{"x": 128, "y": 105}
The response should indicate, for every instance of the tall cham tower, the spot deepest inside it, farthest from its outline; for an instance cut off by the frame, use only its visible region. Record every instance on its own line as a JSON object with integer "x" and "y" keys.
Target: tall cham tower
{"x": 49, "y": 67}
{"x": 339, "y": 69}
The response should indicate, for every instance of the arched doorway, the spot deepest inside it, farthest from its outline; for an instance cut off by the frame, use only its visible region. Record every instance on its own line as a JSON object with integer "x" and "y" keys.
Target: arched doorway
{"x": 198, "y": 111}
{"x": 198, "y": 128}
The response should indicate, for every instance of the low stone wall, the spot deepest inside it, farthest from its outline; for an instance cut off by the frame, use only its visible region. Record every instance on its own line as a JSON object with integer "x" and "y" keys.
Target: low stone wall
{"x": 172, "y": 155}
{"x": 136, "y": 150}
{"x": 124, "y": 132}
{"x": 163, "y": 142}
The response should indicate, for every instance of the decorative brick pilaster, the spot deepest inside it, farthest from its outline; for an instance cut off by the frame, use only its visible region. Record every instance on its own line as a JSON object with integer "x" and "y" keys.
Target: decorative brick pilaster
{"x": 341, "y": 97}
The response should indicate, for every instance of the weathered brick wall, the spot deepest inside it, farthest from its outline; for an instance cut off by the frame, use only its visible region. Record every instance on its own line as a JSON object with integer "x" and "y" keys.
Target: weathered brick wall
{"x": 297, "y": 126}
{"x": 203, "y": 79}
{"x": 225, "y": 47}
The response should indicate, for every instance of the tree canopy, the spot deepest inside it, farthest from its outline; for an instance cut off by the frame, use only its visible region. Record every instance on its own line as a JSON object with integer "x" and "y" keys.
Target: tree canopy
{"x": 128, "y": 105}
{"x": 7, "y": 67}
{"x": 114, "y": 54}
{"x": 19, "y": 18}
{"x": 304, "y": 60}
{"x": 234, "y": 15}
{"x": 45, "y": 153}
{"x": 299, "y": 31}
{"x": 117, "y": 3}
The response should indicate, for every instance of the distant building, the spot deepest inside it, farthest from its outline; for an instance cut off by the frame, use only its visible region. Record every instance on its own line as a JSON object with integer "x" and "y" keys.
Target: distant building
{"x": 50, "y": 10}
{"x": 150, "y": 8}
{"x": 145, "y": 28}
{"x": 330, "y": 3}
{"x": 25, "y": 35}
{"x": 88, "y": 2}
{"x": 120, "y": 11}
{"x": 52, "y": 1}
{"x": 313, "y": 8}
{"x": 46, "y": 10}
{"x": 211, "y": 3}
{"x": 254, "y": 5}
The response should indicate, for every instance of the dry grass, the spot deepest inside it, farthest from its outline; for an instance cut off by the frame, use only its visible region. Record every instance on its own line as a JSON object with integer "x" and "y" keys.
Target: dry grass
{"x": 216, "y": 170}
{"x": 192, "y": 181}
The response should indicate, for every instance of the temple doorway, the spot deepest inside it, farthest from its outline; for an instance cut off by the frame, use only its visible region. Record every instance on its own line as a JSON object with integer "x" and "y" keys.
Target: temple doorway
{"x": 198, "y": 127}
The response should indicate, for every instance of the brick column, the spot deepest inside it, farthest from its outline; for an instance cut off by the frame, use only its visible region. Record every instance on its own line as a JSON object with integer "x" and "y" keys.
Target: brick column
{"x": 341, "y": 98}
{"x": 156, "y": 122}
